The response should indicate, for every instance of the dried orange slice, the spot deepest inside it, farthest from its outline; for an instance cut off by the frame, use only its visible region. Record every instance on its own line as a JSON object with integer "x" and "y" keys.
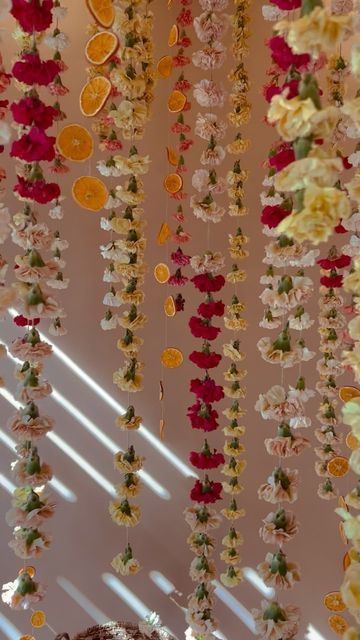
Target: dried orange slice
{"x": 172, "y": 358}
{"x": 342, "y": 533}
{"x": 90, "y": 193}
{"x": 173, "y": 183}
{"x": 165, "y": 67}
{"x": 351, "y": 441}
{"x": 169, "y": 307}
{"x": 102, "y": 11}
{"x": 162, "y": 428}
{"x": 27, "y": 636}
{"x": 346, "y": 561}
{"x": 101, "y": 47}
{"x": 173, "y": 35}
{"x": 338, "y": 466}
{"x": 334, "y": 602}
{"x": 30, "y": 570}
{"x": 94, "y": 95}
{"x": 348, "y": 393}
{"x": 164, "y": 233}
{"x": 38, "y": 619}
{"x": 74, "y": 142}
{"x": 176, "y": 101}
{"x": 342, "y": 504}
{"x": 162, "y": 273}
{"x": 172, "y": 156}
{"x": 338, "y": 624}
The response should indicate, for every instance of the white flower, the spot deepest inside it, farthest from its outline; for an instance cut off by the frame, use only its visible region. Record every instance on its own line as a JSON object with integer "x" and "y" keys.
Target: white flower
{"x": 106, "y": 170}
{"x": 271, "y": 201}
{"x": 112, "y": 203}
{"x": 272, "y": 14}
{"x": 57, "y": 212}
{"x": 5, "y": 132}
{"x": 354, "y": 158}
{"x": 106, "y": 325}
{"x": 353, "y": 223}
{"x": 58, "y": 42}
{"x": 59, "y": 13}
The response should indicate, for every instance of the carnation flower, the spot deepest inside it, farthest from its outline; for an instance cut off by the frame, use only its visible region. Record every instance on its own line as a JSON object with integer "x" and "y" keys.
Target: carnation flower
{"x": 31, "y": 111}
{"x": 284, "y": 57}
{"x": 276, "y": 572}
{"x": 178, "y": 257}
{"x": 208, "y": 94}
{"x": 206, "y": 459}
{"x": 206, "y": 492}
{"x": 32, "y": 15}
{"x": 23, "y": 593}
{"x": 211, "y": 308}
{"x": 279, "y": 527}
{"x": 207, "y": 283}
{"x": 125, "y": 563}
{"x": 276, "y": 622}
{"x": 34, "y": 146}
{"x": 205, "y": 359}
{"x": 280, "y": 487}
{"x": 206, "y": 390}
{"x": 37, "y": 190}
{"x": 272, "y": 215}
{"x": 202, "y": 328}
{"x": 30, "y": 70}
{"x": 203, "y": 416}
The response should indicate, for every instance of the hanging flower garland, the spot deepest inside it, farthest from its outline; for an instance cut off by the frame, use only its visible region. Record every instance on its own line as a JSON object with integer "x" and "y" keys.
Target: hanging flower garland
{"x": 233, "y": 321}
{"x": 32, "y": 505}
{"x": 210, "y": 26}
{"x": 128, "y": 75}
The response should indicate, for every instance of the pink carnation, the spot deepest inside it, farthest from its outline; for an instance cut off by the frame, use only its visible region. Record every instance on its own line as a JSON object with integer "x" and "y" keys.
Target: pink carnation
{"x": 284, "y": 57}
{"x": 208, "y": 94}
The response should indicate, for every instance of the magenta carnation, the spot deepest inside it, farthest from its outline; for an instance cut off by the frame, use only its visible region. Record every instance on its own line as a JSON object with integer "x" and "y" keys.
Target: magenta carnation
{"x": 283, "y": 56}
{"x": 32, "y": 111}
{"x": 205, "y": 360}
{"x": 203, "y": 416}
{"x": 34, "y": 146}
{"x": 31, "y": 70}
{"x": 206, "y": 460}
{"x": 283, "y": 156}
{"x": 206, "y": 390}
{"x": 39, "y": 190}
{"x": 179, "y": 257}
{"x": 201, "y": 328}
{"x": 206, "y": 492}
{"x": 338, "y": 262}
{"x": 271, "y": 216}
{"x": 211, "y": 308}
{"x": 207, "y": 283}
{"x": 32, "y": 15}
{"x": 287, "y": 5}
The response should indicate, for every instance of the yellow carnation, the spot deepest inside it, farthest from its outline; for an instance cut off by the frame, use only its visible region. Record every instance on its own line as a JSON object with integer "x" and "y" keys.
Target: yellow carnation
{"x": 291, "y": 117}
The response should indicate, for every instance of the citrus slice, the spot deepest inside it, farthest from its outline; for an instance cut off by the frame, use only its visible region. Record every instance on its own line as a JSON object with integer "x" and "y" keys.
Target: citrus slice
{"x": 74, "y": 142}
{"x": 101, "y": 47}
{"x": 169, "y": 307}
{"x": 334, "y": 602}
{"x": 162, "y": 429}
{"x": 94, "y": 95}
{"x": 90, "y": 193}
{"x": 38, "y": 619}
{"x": 351, "y": 441}
{"x": 172, "y": 156}
{"x": 338, "y": 624}
{"x": 102, "y": 11}
{"x": 161, "y": 391}
{"x": 342, "y": 504}
{"x": 176, "y": 101}
{"x": 165, "y": 67}
{"x": 173, "y": 183}
{"x": 172, "y": 358}
{"x": 348, "y": 393}
{"x": 164, "y": 233}
{"x": 346, "y": 561}
{"x": 162, "y": 273}
{"x": 173, "y": 35}
{"x": 27, "y": 636}
{"x": 342, "y": 533}
{"x": 30, "y": 570}
{"x": 338, "y": 466}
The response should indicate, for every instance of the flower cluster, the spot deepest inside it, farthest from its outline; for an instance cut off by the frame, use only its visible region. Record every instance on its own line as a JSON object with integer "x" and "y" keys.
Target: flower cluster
{"x": 122, "y": 123}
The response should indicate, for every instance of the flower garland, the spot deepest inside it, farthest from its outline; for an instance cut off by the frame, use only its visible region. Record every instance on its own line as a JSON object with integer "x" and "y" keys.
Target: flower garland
{"x": 210, "y": 26}
{"x": 284, "y": 297}
{"x": 131, "y": 74}
{"x": 32, "y": 505}
{"x": 233, "y": 321}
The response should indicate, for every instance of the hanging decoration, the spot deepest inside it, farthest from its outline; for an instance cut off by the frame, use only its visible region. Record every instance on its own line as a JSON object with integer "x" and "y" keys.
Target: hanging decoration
{"x": 233, "y": 321}
{"x": 122, "y": 72}
{"x": 35, "y": 152}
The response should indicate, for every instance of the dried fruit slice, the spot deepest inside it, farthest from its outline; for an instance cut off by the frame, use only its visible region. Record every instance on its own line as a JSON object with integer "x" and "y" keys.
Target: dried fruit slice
{"x": 90, "y": 193}
{"x": 169, "y": 307}
{"x": 102, "y": 11}
{"x": 94, "y": 95}
{"x": 338, "y": 624}
{"x": 164, "y": 233}
{"x": 162, "y": 273}
{"x": 342, "y": 504}
{"x": 172, "y": 156}
{"x": 74, "y": 142}
{"x": 338, "y": 466}
{"x": 342, "y": 533}
{"x": 173, "y": 35}
{"x": 27, "y": 636}
{"x": 334, "y": 602}
{"x": 172, "y": 358}
{"x": 346, "y": 561}
{"x": 101, "y": 47}
{"x": 38, "y": 619}
{"x": 351, "y": 441}
{"x": 173, "y": 182}
{"x": 162, "y": 429}
{"x": 176, "y": 101}
{"x": 30, "y": 570}
{"x": 348, "y": 393}
{"x": 165, "y": 67}
{"x": 161, "y": 391}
